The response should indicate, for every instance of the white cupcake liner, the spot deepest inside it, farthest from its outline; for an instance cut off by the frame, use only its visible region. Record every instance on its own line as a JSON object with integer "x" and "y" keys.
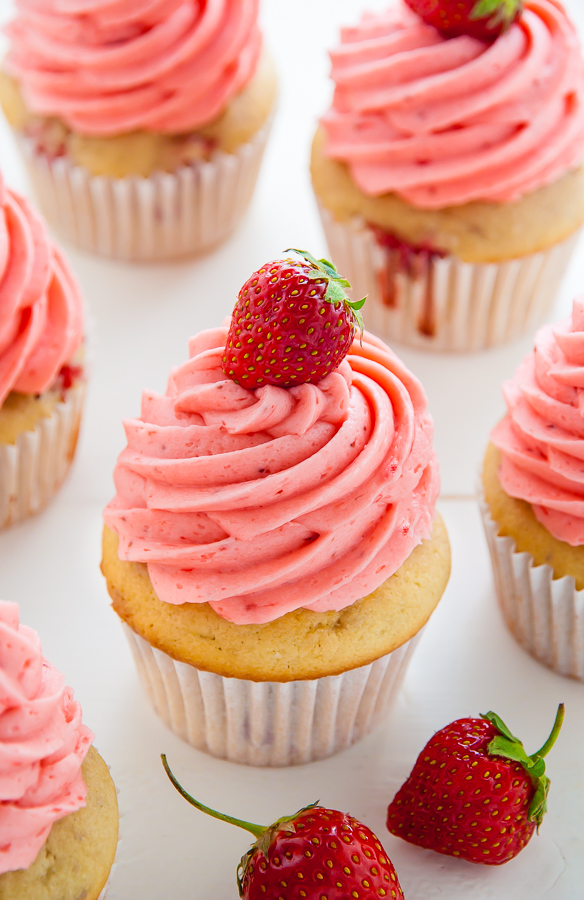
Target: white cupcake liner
{"x": 164, "y": 216}
{"x": 448, "y": 304}
{"x": 545, "y": 614}
{"x": 264, "y": 723}
{"x": 33, "y": 469}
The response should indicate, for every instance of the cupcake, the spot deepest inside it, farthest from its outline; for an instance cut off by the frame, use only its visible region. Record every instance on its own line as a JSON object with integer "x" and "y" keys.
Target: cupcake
{"x": 533, "y": 505}
{"x": 273, "y": 547}
{"x": 58, "y": 804}
{"x": 449, "y": 173}
{"x": 41, "y": 370}
{"x": 143, "y": 126}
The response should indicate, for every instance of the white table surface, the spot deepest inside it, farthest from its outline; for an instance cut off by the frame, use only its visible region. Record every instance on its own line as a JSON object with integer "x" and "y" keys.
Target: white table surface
{"x": 140, "y": 319}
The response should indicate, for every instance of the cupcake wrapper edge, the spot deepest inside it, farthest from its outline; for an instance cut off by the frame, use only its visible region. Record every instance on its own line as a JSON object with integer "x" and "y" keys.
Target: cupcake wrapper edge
{"x": 544, "y": 614}
{"x": 164, "y": 216}
{"x": 269, "y": 723}
{"x": 33, "y": 469}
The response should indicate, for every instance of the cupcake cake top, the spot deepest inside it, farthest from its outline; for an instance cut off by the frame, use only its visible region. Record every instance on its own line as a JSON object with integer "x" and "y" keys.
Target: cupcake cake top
{"x": 444, "y": 121}
{"x": 106, "y": 67}
{"x": 42, "y": 744}
{"x": 264, "y": 500}
{"x": 41, "y": 314}
{"x": 541, "y": 438}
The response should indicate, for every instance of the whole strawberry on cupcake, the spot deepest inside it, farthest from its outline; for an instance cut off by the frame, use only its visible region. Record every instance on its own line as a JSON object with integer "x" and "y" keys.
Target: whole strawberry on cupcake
{"x": 143, "y": 124}
{"x": 42, "y": 381}
{"x": 449, "y": 167}
{"x": 274, "y": 525}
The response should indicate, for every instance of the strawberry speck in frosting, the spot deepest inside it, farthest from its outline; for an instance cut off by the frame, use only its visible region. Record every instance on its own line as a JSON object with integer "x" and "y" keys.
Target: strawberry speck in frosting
{"x": 264, "y": 501}
{"x": 541, "y": 438}
{"x": 42, "y": 742}
{"x": 107, "y": 68}
{"x": 444, "y": 121}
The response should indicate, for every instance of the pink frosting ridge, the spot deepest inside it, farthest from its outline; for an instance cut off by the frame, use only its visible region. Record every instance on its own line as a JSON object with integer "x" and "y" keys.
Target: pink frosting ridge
{"x": 112, "y": 66}
{"x": 542, "y": 437}
{"x": 42, "y": 744}
{"x": 41, "y": 313}
{"x": 264, "y": 501}
{"x": 444, "y": 121}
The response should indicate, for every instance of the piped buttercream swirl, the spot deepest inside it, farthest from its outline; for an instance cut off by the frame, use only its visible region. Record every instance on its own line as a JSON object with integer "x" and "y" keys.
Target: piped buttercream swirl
{"x": 112, "y": 66}
{"x": 442, "y": 122}
{"x": 42, "y": 745}
{"x": 41, "y": 314}
{"x": 541, "y": 438}
{"x": 263, "y": 501}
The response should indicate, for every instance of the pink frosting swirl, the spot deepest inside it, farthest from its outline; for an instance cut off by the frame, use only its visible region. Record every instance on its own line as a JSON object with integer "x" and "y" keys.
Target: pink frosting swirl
{"x": 42, "y": 745}
{"x": 263, "y": 501}
{"x": 111, "y": 66}
{"x": 542, "y": 437}
{"x": 41, "y": 314}
{"x": 444, "y": 121}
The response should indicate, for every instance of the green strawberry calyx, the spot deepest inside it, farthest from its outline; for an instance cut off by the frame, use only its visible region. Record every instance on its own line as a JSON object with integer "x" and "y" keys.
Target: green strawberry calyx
{"x": 502, "y": 12}
{"x": 508, "y": 746}
{"x": 336, "y": 284}
{"x": 264, "y": 835}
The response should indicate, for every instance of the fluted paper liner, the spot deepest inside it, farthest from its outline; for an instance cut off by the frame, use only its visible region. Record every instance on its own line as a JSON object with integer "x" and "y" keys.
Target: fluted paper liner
{"x": 446, "y": 304}
{"x": 265, "y": 723}
{"x": 164, "y": 216}
{"x": 545, "y": 614}
{"x": 33, "y": 469}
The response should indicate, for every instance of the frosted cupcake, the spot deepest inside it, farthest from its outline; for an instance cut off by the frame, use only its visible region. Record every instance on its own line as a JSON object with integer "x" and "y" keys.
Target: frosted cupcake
{"x": 58, "y": 804}
{"x": 41, "y": 373}
{"x": 144, "y": 125}
{"x": 274, "y": 551}
{"x": 449, "y": 173}
{"x": 534, "y": 491}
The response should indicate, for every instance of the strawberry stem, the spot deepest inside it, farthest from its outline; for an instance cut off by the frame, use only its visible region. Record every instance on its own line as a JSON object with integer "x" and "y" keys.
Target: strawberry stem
{"x": 553, "y": 735}
{"x": 508, "y": 746}
{"x": 256, "y": 830}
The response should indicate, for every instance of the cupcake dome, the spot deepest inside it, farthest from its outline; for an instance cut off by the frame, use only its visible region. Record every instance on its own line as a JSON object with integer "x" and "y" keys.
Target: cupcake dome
{"x": 41, "y": 376}
{"x": 167, "y": 67}
{"x": 125, "y": 93}
{"x": 441, "y": 152}
{"x": 533, "y": 485}
{"x": 45, "y": 807}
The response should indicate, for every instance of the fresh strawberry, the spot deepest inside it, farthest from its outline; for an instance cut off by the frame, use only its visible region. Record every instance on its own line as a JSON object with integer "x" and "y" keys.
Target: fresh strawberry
{"x": 292, "y": 324}
{"x": 482, "y": 19}
{"x": 317, "y": 853}
{"x": 474, "y": 792}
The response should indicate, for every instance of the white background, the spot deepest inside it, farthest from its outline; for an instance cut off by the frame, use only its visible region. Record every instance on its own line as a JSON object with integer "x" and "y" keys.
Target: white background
{"x": 140, "y": 319}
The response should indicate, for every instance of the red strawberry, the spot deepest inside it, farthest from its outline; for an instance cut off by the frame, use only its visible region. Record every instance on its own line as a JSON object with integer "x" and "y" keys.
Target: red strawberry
{"x": 482, "y": 19}
{"x": 292, "y": 324}
{"x": 474, "y": 792}
{"x": 315, "y": 854}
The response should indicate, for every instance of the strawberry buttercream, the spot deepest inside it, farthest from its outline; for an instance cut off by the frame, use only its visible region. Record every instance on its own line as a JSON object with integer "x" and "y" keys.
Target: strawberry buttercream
{"x": 113, "y": 66}
{"x": 42, "y": 745}
{"x": 41, "y": 315}
{"x": 264, "y": 501}
{"x": 542, "y": 437}
{"x": 442, "y": 122}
